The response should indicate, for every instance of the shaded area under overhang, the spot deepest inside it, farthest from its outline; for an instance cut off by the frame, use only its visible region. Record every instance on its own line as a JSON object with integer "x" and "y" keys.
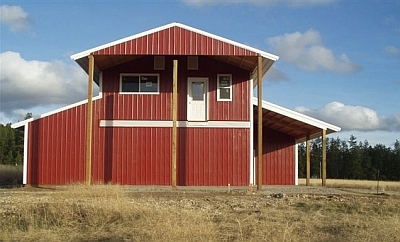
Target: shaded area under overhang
{"x": 292, "y": 123}
{"x": 104, "y": 62}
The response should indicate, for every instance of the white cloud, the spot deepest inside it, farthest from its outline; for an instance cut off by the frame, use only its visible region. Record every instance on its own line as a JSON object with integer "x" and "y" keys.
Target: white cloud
{"x": 306, "y": 51}
{"x": 296, "y": 3}
{"x": 29, "y": 84}
{"x": 392, "y": 50}
{"x": 353, "y": 117}
{"x": 15, "y": 17}
{"x": 276, "y": 75}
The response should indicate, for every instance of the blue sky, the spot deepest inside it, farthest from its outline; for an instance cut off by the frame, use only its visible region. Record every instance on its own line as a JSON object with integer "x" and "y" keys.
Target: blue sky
{"x": 339, "y": 60}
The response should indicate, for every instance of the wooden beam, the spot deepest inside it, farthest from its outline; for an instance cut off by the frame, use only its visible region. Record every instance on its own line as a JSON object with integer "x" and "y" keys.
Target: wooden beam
{"x": 308, "y": 158}
{"x": 174, "y": 121}
{"x": 324, "y": 157}
{"x": 89, "y": 123}
{"x": 260, "y": 124}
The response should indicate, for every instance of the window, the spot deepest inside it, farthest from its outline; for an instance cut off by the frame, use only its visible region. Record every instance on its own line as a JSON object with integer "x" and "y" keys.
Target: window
{"x": 224, "y": 88}
{"x": 139, "y": 83}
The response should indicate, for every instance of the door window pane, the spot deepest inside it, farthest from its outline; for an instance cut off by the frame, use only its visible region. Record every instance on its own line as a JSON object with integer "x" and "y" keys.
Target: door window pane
{"x": 198, "y": 91}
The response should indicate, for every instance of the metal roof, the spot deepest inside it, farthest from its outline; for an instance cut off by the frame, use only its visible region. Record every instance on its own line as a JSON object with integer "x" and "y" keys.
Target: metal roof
{"x": 175, "y": 39}
{"x": 292, "y": 123}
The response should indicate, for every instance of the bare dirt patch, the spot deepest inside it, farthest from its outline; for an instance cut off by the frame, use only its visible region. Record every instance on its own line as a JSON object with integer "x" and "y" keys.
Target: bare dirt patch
{"x": 118, "y": 213}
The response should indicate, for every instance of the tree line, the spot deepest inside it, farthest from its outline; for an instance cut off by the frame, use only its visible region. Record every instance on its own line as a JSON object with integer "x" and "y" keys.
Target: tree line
{"x": 11, "y": 145}
{"x": 349, "y": 159}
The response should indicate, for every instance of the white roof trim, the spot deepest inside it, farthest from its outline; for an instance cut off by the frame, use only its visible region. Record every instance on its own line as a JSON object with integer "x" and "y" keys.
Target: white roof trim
{"x": 88, "y": 52}
{"x": 22, "y": 123}
{"x": 295, "y": 115}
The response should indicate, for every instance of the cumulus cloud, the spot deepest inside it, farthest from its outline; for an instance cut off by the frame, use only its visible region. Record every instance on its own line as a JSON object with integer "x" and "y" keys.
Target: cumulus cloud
{"x": 276, "y": 75}
{"x": 392, "y": 50}
{"x": 297, "y": 3}
{"x": 27, "y": 84}
{"x": 15, "y": 17}
{"x": 307, "y": 52}
{"x": 353, "y": 117}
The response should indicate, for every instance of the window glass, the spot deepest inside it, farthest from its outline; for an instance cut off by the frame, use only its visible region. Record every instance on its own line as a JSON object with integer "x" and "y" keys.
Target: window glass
{"x": 198, "y": 91}
{"x": 225, "y": 93}
{"x": 224, "y": 81}
{"x": 148, "y": 84}
{"x": 130, "y": 84}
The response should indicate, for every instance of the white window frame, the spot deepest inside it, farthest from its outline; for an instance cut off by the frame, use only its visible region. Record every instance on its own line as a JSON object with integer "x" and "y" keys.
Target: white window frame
{"x": 219, "y": 88}
{"x": 139, "y": 75}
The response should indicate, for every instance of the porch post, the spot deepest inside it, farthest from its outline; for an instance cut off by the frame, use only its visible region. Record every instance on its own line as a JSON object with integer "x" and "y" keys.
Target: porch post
{"x": 324, "y": 157}
{"x": 259, "y": 123}
{"x": 89, "y": 122}
{"x": 308, "y": 158}
{"x": 174, "y": 121}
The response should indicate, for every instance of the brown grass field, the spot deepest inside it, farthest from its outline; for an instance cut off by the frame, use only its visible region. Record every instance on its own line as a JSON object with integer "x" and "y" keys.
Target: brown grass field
{"x": 355, "y": 184}
{"x": 120, "y": 213}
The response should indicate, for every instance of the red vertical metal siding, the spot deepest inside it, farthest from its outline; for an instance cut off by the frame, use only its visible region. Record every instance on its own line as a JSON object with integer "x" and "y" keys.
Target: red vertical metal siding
{"x": 142, "y": 156}
{"x": 55, "y": 150}
{"x": 213, "y": 157}
{"x": 135, "y": 156}
{"x": 278, "y": 158}
{"x": 175, "y": 41}
{"x": 201, "y": 161}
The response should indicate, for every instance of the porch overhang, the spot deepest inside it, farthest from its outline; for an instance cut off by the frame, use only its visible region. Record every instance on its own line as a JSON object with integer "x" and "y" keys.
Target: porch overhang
{"x": 292, "y": 123}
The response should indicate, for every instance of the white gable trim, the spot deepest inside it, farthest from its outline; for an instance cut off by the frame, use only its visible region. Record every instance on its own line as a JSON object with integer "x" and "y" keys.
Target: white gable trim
{"x": 22, "y": 123}
{"x": 175, "y": 24}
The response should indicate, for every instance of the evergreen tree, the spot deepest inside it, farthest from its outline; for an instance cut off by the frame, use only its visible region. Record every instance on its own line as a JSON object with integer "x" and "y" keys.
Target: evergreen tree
{"x": 316, "y": 157}
{"x": 352, "y": 160}
{"x": 302, "y": 169}
{"x": 11, "y": 145}
{"x": 334, "y": 160}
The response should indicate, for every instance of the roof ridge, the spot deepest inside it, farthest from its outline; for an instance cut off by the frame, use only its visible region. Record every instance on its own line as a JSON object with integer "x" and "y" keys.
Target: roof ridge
{"x": 170, "y": 25}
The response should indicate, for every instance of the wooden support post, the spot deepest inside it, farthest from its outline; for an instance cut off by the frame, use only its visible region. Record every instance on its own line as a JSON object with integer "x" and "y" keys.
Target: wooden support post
{"x": 89, "y": 124}
{"x": 259, "y": 123}
{"x": 308, "y": 159}
{"x": 324, "y": 157}
{"x": 174, "y": 121}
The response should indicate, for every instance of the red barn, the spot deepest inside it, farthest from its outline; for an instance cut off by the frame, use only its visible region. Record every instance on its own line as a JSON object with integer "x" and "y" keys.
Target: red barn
{"x": 132, "y": 120}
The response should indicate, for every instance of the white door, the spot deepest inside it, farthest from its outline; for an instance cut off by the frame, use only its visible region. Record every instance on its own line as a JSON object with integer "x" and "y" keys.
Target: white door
{"x": 197, "y": 99}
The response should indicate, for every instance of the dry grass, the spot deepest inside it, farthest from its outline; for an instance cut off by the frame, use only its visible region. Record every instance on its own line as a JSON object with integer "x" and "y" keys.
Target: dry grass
{"x": 361, "y": 184}
{"x": 114, "y": 213}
